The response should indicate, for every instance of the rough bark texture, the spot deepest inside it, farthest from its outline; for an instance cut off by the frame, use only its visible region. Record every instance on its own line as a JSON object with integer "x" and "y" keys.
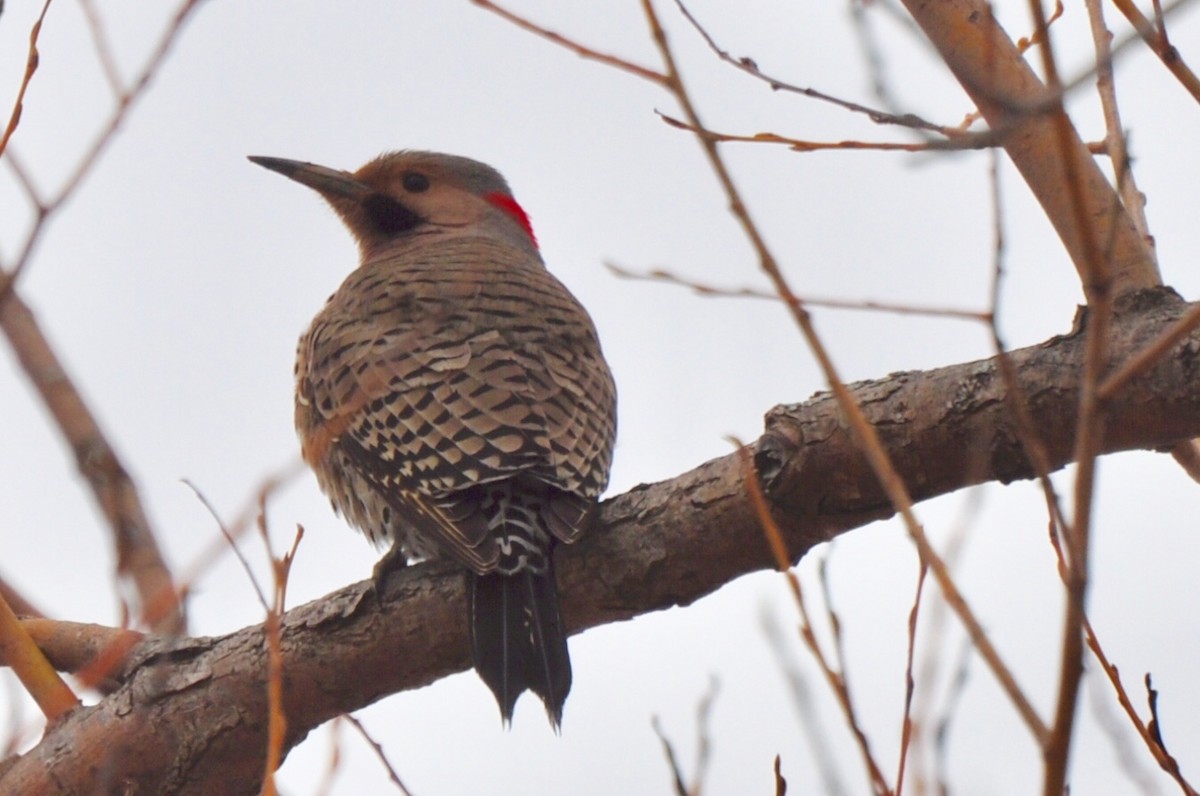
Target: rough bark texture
{"x": 190, "y": 717}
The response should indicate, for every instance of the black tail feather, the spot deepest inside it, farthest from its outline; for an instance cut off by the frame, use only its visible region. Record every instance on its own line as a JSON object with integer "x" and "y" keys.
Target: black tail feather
{"x": 517, "y": 639}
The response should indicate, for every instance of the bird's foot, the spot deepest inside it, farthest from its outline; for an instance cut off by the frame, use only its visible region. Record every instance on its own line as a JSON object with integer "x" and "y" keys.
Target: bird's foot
{"x": 393, "y": 561}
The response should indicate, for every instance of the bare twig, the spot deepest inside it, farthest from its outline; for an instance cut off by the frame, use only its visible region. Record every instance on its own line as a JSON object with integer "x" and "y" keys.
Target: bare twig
{"x": 581, "y": 50}
{"x": 1148, "y": 733}
{"x": 103, "y": 50}
{"x": 964, "y": 141}
{"x": 1031, "y": 443}
{"x": 1098, "y": 282}
{"x": 335, "y": 756}
{"x": 924, "y": 676}
{"x": 958, "y": 687}
{"x": 751, "y": 68}
{"x": 1148, "y": 356}
{"x": 276, "y": 720}
{"x": 378, "y": 749}
{"x": 230, "y": 539}
{"x": 815, "y": 732}
{"x": 31, "y": 65}
{"x": 91, "y": 156}
{"x": 835, "y": 677}
{"x": 1155, "y": 36}
{"x": 677, "y": 782}
{"x": 244, "y": 520}
{"x": 872, "y": 53}
{"x": 1114, "y": 137}
{"x": 1172, "y": 765}
{"x": 906, "y": 727}
{"x": 704, "y": 736}
{"x": 667, "y": 277}
{"x": 703, "y": 745}
{"x": 1125, "y": 754}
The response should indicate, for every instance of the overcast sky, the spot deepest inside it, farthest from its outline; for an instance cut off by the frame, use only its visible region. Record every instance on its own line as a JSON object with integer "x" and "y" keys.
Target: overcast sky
{"x": 176, "y": 281}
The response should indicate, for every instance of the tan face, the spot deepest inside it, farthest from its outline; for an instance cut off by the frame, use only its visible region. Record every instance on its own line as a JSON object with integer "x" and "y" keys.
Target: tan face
{"x": 438, "y": 197}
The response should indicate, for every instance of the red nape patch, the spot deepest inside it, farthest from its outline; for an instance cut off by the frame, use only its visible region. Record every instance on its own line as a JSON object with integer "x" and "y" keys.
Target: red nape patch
{"x": 510, "y": 206}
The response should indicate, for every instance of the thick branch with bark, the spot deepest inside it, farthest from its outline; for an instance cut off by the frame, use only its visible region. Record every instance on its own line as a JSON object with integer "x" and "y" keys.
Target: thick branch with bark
{"x": 191, "y": 715}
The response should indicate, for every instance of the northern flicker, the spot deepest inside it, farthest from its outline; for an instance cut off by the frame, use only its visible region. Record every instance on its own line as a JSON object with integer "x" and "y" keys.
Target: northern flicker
{"x": 453, "y": 400}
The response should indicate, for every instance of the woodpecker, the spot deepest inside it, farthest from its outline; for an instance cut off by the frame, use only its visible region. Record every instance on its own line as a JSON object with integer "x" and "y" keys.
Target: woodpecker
{"x": 454, "y": 403}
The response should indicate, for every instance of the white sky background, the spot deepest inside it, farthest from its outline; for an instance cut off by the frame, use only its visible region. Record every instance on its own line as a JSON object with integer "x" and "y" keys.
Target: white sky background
{"x": 175, "y": 283}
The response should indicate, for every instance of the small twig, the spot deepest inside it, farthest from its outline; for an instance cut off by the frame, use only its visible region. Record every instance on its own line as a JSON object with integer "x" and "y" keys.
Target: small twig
{"x": 704, "y": 736}
{"x": 1155, "y": 37}
{"x": 1148, "y": 356}
{"x": 872, "y": 53}
{"x": 703, "y": 744}
{"x": 1035, "y": 450}
{"x": 579, "y": 49}
{"x": 31, "y": 194}
{"x": 906, "y": 726}
{"x": 91, "y": 156}
{"x": 31, "y": 65}
{"x": 232, "y": 542}
{"x": 242, "y": 522}
{"x": 814, "y": 731}
{"x": 748, "y": 66}
{"x": 276, "y": 720}
{"x": 1097, "y": 284}
{"x": 1148, "y": 733}
{"x": 1024, "y": 44}
{"x": 667, "y": 277}
{"x": 783, "y": 562}
{"x": 958, "y": 687}
{"x": 962, "y": 142}
{"x": 103, "y": 51}
{"x": 378, "y": 748}
{"x": 1155, "y": 728}
{"x": 1114, "y": 137}
{"x": 335, "y": 756}
{"x": 1124, "y": 752}
{"x": 672, "y": 761}
{"x": 924, "y": 675}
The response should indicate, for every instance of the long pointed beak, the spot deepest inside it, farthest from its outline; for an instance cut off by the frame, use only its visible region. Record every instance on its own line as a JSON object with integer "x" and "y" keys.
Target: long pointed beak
{"x": 328, "y": 182}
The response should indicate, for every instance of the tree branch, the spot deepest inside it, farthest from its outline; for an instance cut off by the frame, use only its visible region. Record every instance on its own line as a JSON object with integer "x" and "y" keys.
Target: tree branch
{"x": 191, "y": 715}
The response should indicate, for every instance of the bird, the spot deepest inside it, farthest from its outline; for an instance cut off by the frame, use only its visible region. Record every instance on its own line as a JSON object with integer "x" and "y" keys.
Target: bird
{"x": 454, "y": 403}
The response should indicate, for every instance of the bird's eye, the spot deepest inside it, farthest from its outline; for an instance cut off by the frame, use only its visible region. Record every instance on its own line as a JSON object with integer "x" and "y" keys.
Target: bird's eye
{"x": 415, "y": 182}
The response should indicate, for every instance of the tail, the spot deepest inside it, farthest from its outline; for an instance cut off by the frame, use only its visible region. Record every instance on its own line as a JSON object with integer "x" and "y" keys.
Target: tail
{"x": 517, "y": 639}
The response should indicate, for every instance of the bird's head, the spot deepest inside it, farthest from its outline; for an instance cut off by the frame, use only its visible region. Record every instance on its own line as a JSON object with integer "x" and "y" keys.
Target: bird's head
{"x": 402, "y": 198}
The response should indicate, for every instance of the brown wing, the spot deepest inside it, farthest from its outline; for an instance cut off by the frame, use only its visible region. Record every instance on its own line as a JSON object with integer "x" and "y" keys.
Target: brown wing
{"x": 451, "y": 373}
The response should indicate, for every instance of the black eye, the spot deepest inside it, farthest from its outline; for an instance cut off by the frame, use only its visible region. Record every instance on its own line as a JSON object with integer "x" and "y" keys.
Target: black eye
{"x": 415, "y": 182}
